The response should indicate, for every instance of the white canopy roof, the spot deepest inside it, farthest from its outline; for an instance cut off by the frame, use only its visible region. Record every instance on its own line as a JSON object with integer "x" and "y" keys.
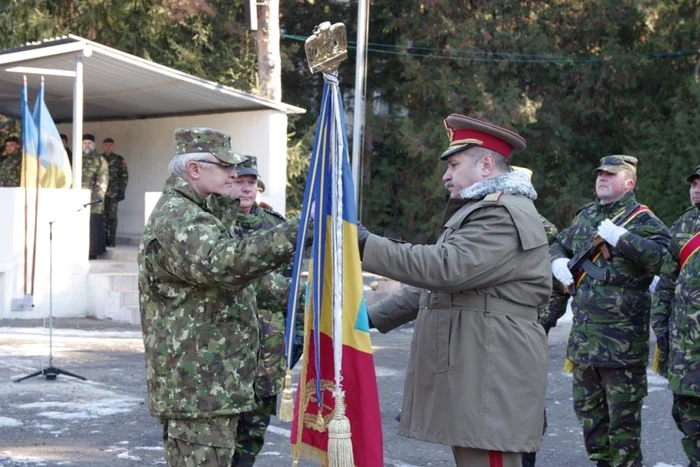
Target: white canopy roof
{"x": 117, "y": 85}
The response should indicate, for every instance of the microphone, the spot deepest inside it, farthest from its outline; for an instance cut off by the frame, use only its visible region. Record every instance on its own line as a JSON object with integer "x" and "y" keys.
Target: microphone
{"x": 94, "y": 201}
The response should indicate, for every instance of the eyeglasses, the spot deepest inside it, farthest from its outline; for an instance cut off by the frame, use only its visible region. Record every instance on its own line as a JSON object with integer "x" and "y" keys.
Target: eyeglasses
{"x": 223, "y": 165}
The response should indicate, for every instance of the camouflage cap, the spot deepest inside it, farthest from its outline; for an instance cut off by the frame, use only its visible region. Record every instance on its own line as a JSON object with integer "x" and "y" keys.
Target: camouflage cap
{"x": 248, "y": 167}
{"x": 694, "y": 175}
{"x": 215, "y": 142}
{"x": 617, "y": 163}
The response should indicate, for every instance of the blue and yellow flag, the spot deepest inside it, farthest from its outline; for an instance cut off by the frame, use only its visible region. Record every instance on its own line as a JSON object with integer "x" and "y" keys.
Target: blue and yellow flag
{"x": 30, "y": 139}
{"x": 55, "y": 166}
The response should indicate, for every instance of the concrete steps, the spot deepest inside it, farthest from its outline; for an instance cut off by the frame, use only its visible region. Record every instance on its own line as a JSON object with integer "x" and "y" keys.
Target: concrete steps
{"x": 113, "y": 285}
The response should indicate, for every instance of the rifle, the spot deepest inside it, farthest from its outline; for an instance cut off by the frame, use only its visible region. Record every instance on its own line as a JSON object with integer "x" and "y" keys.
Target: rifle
{"x": 582, "y": 259}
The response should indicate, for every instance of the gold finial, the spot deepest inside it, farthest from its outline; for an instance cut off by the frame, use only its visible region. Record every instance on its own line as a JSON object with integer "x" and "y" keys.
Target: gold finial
{"x": 327, "y": 47}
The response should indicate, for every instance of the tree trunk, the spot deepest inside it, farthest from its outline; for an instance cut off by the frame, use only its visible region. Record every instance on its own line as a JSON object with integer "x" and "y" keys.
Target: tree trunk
{"x": 268, "y": 45}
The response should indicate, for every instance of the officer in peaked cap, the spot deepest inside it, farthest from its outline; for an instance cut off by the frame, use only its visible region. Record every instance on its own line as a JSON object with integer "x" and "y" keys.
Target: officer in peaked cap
{"x": 466, "y": 132}
{"x": 475, "y": 293}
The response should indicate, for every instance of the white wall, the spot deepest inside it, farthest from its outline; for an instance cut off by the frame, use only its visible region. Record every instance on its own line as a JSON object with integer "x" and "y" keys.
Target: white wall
{"x": 147, "y": 145}
{"x": 70, "y": 252}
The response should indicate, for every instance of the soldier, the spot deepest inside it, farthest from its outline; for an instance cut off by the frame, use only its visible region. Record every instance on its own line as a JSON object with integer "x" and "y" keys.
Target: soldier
{"x": 198, "y": 309}
{"x": 272, "y": 293}
{"x": 609, "y": 341}
{"x": 95, "y": 179}
{"x": 674, "y": 320}
{"x": 478, "y": 365}
{"x": 116, "y": 189}
{"x": 547, "y": 316}
{"x": 64, "y": 140}
{"x": 11, "y": 164}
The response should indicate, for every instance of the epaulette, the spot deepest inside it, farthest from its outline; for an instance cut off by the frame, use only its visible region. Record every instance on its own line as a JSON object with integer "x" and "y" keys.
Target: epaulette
{"x": 493, "y": 197}
{"x": 268, "y": 209}
{"x": 585, "y": 206}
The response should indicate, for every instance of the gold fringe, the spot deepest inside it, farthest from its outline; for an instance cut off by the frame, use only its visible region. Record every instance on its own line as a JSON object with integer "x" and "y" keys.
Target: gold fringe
{"x": 311, "y": 453}
{"x": 286, "y": 413}
{"x": 656, "y": 364}
{"x": 568, "y": 366}
{"x": 339, "y": 438}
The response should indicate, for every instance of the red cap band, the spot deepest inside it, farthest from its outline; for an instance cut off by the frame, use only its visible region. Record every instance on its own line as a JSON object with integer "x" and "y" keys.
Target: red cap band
{"x": 489, "y": 142}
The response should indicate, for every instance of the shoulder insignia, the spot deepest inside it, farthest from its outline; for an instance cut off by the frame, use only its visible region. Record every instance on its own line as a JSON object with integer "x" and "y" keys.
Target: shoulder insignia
{"x": 268, "y": 209}
{"x": 493, "y": 197}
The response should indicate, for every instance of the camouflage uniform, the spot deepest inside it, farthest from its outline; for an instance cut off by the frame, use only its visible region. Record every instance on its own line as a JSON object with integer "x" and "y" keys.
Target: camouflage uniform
{"x": 96, "y": 179}
{"x": 118, "y": 179}
{"x": 547, "y": 317}
{"x": 674, "y": 319}
{"x": 272, "y": 293}
{"x": 609, "y": 340}
{"x": 11, "y": 169}
{"x": 198, "y": 311}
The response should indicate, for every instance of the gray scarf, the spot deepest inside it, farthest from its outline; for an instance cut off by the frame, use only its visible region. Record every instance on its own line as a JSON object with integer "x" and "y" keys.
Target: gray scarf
{"x": 511, "y": 183}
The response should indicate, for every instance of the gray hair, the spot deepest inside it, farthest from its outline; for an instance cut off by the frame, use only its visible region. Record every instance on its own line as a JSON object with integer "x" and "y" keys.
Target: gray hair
{"x": 178, "y": 164}
{"x": 502, "y": 163}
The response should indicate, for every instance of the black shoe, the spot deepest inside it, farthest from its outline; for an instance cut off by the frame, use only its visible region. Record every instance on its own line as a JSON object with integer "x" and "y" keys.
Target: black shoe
{"x": 529, "y": 459}
{"x": 603, "y": 464}
{"x": 398, "y": 417}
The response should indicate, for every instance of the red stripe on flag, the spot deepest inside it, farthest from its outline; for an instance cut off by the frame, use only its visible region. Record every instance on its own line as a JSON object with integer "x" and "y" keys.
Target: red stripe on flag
{"x": 361, "y": 403}
{"x": 495, "y": 459}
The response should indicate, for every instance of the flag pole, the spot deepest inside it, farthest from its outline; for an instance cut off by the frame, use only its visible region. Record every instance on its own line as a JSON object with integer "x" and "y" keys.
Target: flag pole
{"x": 358, "y": 132}
{"x": 25, "y": 174}
{"x": 38, "y": 184}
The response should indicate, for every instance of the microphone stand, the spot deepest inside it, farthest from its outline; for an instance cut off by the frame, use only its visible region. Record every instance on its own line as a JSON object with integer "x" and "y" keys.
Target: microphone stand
{"x": 51, "y": 372}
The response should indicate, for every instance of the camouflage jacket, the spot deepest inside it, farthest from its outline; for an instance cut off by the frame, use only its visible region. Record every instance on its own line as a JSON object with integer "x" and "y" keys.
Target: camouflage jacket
{"x": 95, "y": 178}
{"x": 674, "y": 316}
{"x": 198, "y": 310}
{"x": 11, "y": 169}
{"x": 611, "y": 317}
{"x": 272, "y": 293}
{"x": 548, "y": 316}
{"x": 118, "y": 176}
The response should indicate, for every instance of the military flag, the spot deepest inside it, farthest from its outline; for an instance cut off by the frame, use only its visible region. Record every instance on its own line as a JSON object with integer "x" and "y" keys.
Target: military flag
{"x": 336, "y": 418}
{"x": 55, "y": 166}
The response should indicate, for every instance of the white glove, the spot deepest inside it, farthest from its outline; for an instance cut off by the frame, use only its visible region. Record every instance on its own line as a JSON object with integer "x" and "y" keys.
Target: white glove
{"x": 610, "y": 232}
{"x": 652, "y": 286}
{"x": 561, "y": 271}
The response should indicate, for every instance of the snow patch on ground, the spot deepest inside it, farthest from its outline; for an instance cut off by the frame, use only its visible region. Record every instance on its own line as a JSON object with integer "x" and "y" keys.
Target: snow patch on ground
{"x": 9, "y": 422}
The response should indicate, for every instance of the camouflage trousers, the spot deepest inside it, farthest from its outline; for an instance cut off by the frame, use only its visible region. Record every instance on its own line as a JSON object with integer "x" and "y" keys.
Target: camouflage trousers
{"x": 250, "y": 435}
{"x": 205, "y": 442}
{"x": 110, "y": 220}
{"x": 608, "y": 404}
{"x": 686, "y": 414}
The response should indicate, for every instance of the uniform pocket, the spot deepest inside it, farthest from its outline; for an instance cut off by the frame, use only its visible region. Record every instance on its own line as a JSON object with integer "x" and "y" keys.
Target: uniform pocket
{"x": 442, "y": 340}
